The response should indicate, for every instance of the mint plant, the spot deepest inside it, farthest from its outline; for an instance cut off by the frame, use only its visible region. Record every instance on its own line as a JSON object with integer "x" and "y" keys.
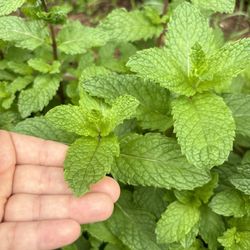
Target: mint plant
{"x": 154, "y": 96}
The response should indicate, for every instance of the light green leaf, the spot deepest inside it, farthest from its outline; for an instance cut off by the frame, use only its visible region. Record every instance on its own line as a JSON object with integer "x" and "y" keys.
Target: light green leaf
{"x": 43, "y": 67}
{"x": 124, "y": 26}
{"x": 240, "y": 106}
{"x": 228, "y": 203}
{"x": 172, "y": 66}
{"x": 8, "y": 6}
{"x": 223, "y": 6}
{"x": 224, "y": 64}
{"x": 234, "y": 240}
{"x": 74, "y": 38}
{"x": 24, "y": 34}
{"x": 134, "y": 227}
{"x": 19, "y": 68}
{"x": 176, "y": 222}
{"x": 38, "y": 97}
{"x": 155, "y": 160}
{"x": 205, "y": 129}
{"x": 88, "y": 160}
{"x": 123, "y": 107}
{"x": 92, "y": 71}
{"x": 72, "y": 119}
{"x": 211, "y": 227}
{"x": 154, "y": 109}
{"x": 40, "y": 127}
{"x": 20, "y": 83}
{"x": 187, "y": 27}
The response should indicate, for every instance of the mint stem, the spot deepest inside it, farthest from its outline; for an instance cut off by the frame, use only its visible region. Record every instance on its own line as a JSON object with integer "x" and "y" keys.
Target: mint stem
{"x": 52, "y": 32}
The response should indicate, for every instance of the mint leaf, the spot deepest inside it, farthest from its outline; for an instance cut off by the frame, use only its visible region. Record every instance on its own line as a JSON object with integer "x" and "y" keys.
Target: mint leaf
{"x": 124, "y": 26}
{"x": 241, "y": 180}
{"x": 8, "y": 6}
{"x": 228, "y": 203}
{"x": 234, "y": 240}
{"x": 240, "y": 106}
{"x": 155, "y": 160}
{"x": 74, "y": 38}
{"x": 205, "y": 129}
{"x": 226, "y": 63}
{"x": 40, "y": 127}
{"x": 172, "y": 66}
{"x": 123, "y": 107}
{"x": 134, "y": 227}
{"x": 88, "y": 160}
{"x": 24, "y": 34}
{"x": 176, "y": 222}
{"x": 154, "y": 109}
{"x": 101, "y": 232}
{"x": 223, "y": 6}
{"x": 150, "y": 199}
{"x": 72, "y": 119}
{"x": 38, "y": 97}
{"x": 211, "y": 227}
{"x": 43, "y": 67}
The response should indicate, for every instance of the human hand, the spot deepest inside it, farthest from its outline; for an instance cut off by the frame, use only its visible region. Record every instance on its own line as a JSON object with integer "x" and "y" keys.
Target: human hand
{"x": 37, "y": 209}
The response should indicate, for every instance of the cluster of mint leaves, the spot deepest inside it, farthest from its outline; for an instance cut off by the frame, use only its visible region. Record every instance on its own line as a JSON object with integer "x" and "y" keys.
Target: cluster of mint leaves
{"x": 171, "y": 124}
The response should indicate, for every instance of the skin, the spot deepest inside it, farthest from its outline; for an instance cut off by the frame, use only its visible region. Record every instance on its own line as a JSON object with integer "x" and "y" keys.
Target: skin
{"x": 37, "y": 208}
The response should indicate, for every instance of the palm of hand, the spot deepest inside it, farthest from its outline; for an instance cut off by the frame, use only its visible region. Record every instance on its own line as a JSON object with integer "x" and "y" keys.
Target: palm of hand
{"x": 37, "y": 209}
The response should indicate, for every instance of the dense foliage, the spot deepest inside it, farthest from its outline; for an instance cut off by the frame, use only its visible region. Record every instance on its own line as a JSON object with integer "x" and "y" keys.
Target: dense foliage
{"x": 155, "y": 94}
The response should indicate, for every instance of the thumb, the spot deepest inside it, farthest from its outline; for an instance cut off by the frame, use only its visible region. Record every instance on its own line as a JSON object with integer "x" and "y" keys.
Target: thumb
{"x": 7, "y": 167}
{"x": 7, "y": 152}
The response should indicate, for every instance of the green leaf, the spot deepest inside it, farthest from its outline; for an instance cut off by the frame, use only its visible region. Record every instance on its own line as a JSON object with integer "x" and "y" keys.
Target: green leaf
{"x": 172, "y": 66}
{"x": 223, "y": 6}
{"x": 154, "y": 109}
{"x": 226, "y": 63}
{"x": 155, "y": 160}
{"x": 240, "y": 106}
{"x": 88, "y": 160}
{"x": 20, "y": 83}
{"x": 114, "y": 56}
{"x": 123, "y": 26}
{"x": 9, "y": 119}
{"x": 134, "y": 227}
{"x": 101, "y": 232}
{"x": 72, "y": 119}
{"x": 205, "y": 129}
{"x": 241, "y": 180}
{"x": 19, "y": 68}
{"x": 228, "y": 203}
{"x": 8, "y": 6}
{"x": 92, "y": 71}
{"x": 123, "y": 107}
{"x": 211, "y": 227}
{"x": 41, "y": 66}
{"x": 24, "y": 34}
{"x": 150, "y": 199}
{"x": 74, "y": 38}
{"x": 205, "y": 192}
{"x": 40, "y": 127}
{"x": 176, "y": 222}
{"x": 38, "y": 97}
{"x": 234, "y": 240}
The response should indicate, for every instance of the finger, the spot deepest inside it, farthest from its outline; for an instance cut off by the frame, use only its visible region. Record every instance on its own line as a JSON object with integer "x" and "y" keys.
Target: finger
{"x": 7, "y": 167}
{"x": 50, "y": 180}
{"x": 92, "y": 207}
{"x": 32, "y": 150}
{"x": 44, "y": 235}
